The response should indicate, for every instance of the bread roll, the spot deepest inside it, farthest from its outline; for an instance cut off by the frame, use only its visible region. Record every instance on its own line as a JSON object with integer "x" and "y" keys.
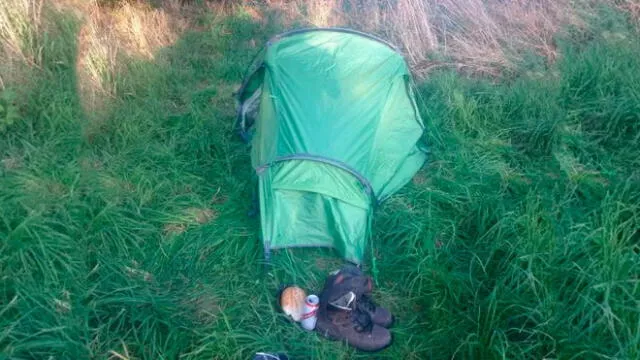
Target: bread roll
{"x": 292, "y": 302}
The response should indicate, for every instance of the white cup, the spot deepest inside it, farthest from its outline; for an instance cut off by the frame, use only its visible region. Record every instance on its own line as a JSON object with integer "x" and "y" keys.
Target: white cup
{"x": 309, "y": 315}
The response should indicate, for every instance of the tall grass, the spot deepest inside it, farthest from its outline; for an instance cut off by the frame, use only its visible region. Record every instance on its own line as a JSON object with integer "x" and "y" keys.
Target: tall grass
{"x": 533, "y": 209}
{"x": 20, "y": 25}
{"x": 489, "y": 37}
{"x": 128, "y": 237}
{"x": 110, "y": 33}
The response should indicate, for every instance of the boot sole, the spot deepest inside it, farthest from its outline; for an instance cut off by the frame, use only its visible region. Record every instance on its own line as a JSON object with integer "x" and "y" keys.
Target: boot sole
{"x": 328, "y": 336}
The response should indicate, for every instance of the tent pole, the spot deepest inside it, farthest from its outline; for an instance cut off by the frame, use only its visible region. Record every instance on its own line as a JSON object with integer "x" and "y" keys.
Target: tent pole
{"x": 267, "y": 257}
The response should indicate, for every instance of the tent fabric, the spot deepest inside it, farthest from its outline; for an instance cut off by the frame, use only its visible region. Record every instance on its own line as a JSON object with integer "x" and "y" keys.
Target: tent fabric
{"x": 331, "y": 118}
{"x": 306, "y": 203}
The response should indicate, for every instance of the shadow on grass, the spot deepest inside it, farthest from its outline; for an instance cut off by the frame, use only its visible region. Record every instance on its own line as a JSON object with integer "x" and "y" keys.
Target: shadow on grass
{"x": 133, "y": 241}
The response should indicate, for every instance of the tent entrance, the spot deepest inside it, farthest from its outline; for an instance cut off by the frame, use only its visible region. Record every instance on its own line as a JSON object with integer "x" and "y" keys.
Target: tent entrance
{"x": 314, "y": 203}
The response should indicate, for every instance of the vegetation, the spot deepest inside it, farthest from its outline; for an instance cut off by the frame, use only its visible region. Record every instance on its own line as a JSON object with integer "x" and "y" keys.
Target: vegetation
{"x": 124, "y": 192}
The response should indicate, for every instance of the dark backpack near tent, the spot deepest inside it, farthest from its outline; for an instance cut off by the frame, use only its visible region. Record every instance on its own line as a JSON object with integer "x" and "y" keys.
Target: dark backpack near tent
{"x": 332, "y": 121}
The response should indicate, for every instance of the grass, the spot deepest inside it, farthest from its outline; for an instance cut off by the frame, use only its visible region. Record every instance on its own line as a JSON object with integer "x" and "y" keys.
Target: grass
{"x": 475, "y": 36}
{"x": 124, "y": 231}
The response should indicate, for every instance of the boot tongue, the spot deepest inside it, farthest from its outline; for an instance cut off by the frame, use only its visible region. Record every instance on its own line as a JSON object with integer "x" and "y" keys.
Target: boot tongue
{"x": 345, "y": 302}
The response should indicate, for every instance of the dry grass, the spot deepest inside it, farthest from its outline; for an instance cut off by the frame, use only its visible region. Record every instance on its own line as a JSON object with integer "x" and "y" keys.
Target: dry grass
{"x": 481, "y": 36}
{"x": 319, "y": 13}
{"x": 141, "y": 30}
{"x": 131, "y": 29}
{"x": 630, "y": 6}
{"x": 20, "y": 23}
{"x": 322, "y": 12}
{"x": 413, "y": 29}
{"x": 486, "y": 36}
{"x": 96, "y": 61}
{"x": 489, "y": 36}
{"x": 134, "y": 30}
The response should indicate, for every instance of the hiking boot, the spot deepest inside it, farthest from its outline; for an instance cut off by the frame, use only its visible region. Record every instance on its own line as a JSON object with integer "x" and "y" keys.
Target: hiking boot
{"x": 349, "y": 278}
{"x": 343, "y": 316}
{"x": 354, "y": 327}
{"x": 352, "y": 279}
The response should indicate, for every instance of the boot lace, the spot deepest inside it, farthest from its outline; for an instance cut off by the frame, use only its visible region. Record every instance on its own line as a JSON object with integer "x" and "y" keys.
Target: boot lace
{"x": 365, "y": 303}
{"x": 361, "y": 320}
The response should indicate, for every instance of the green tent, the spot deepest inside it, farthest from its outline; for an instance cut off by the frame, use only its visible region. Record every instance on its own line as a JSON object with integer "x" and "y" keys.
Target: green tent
{"x": 331, "y": 118}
